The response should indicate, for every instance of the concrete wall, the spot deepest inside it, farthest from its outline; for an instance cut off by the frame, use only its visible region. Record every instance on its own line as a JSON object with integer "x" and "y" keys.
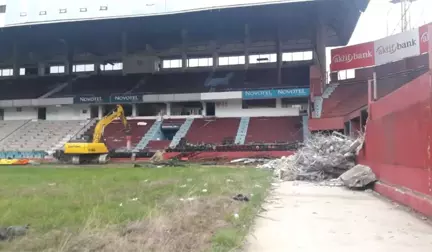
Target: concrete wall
{"x": 26, "y": 113}
{"x": 75, "y": 112}
{"x": 233, "y": 108}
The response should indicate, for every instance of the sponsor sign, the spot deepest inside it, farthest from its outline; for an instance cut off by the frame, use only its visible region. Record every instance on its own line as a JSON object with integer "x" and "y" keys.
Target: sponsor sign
{"x": 90, "y": 99}
{"x": 350, "y": 57}
{"x": 111, "y": 99}
{"x": 424, "y": 39}
{"x": 126, "y": 98}
{"x": 275, "y": 93}
{"x": 397, "y": 47}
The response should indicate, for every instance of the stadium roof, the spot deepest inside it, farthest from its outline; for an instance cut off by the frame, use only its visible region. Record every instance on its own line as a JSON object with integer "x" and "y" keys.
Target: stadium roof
{"x": 296, "y": 19}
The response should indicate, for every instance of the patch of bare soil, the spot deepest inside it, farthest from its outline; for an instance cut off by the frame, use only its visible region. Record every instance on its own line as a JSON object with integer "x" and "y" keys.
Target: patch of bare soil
{"x": 179, "y": 226}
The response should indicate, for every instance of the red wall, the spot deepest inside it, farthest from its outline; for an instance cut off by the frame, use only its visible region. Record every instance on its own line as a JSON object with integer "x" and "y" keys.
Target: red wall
{"x": 399, "y": 136}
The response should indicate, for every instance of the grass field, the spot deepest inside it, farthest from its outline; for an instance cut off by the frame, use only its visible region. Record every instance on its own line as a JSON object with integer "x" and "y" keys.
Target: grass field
{"x": 130, "y": 209}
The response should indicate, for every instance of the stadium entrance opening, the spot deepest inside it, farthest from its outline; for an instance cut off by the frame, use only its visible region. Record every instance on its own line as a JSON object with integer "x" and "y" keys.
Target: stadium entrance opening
{"x": 210, "y": 109}
{"x": 42, "y": 113}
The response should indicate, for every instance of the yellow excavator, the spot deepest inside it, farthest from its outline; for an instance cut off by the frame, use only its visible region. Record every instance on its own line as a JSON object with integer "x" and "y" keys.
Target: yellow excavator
{"x": 94, "y": 151}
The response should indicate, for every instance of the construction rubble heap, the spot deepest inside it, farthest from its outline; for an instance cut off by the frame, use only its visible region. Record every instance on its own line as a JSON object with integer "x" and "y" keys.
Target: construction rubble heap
{"x": 322, "y": 157}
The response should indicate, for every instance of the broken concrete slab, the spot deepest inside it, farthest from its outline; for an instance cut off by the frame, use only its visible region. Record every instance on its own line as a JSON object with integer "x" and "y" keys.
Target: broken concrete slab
{"x": 359, "y": 176}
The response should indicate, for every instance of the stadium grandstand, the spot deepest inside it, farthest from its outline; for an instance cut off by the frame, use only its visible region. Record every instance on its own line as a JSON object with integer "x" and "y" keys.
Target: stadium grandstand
{"x": 247, "y": 75}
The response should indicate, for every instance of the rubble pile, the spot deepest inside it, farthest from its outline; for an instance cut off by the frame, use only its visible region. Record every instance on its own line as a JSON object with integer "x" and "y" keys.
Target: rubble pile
{"x": 321, "y": 157}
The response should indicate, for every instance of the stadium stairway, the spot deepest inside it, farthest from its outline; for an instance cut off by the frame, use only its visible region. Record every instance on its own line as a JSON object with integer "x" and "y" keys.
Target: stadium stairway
{"x": 181, "y": 132}
{"x": 242, "y": 130}
{"x": 319, "y": 100}
{"x": 151, "y": 134}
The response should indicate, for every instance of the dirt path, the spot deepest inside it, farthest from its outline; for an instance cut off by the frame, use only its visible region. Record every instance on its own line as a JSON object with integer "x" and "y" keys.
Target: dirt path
{"x": 308, "y": 218}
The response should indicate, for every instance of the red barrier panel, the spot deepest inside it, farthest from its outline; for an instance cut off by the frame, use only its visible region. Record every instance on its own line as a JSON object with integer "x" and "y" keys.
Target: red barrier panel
{"x": 398, "y": 144}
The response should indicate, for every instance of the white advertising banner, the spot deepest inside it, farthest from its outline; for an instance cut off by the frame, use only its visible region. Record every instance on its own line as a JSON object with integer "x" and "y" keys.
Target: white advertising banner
{"x": 397, "y": 47}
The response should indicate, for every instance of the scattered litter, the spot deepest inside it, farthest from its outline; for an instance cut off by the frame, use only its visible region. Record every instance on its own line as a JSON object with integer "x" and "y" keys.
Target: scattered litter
{"x": 236, "y": 216}
{"x": 322, "y": 157}
{"x": 190, "y": 199}
{"x": 159, "y": 166}
{"x": 258, "y": 186}
{"x": 146, "y": 180}
{"x": 249, "y": 160}
{"x": 241, "y": 197}
{"x": 52, "y": 184}
{"x": 204, "y": 190}
{"x": 121, "y": 204}
{"x": 183, "y": 186}
{"x": 181, "y": 199}
{"x": 229, "y": 180}
{"x": 251, "y": 195}
{"x": 134, "y": 199}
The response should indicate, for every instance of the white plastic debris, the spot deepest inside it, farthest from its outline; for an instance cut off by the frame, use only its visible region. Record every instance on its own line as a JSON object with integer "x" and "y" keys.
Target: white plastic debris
{"x": 236, "y": 216}
{"x": 121, "y": 204}
{"x": 134, "y": 199}
{"x": 190, "y": 199}
{"x": 183, "y": 186}
{"x": 204, "y": 190}
{"x": 229, "y": 180}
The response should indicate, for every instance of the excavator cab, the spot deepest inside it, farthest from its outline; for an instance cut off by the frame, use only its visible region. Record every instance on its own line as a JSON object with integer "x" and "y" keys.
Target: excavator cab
{"x": 94, "y": 150}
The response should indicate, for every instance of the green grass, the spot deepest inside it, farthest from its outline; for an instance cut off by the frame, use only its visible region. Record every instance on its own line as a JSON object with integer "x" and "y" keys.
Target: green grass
{"x": 69, "y": 200}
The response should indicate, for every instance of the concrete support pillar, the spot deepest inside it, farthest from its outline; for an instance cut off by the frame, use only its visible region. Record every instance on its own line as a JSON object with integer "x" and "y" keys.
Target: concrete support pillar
{"x": 124, "y": 47}
{"x": 215, "y": 59}
{"x": 247, "y": 43}
{"x": 279, "y": 56}
{"x": 69, "y": 60}
{"x": 134, "y": 110}
{"x": 278, "y": 103}
{"x": 97, "y": 68}
{"x": 204, "y": 109}
{"x": 320, "y": 48}
{"x": 100, "y": 112}
{"x": 41, "y": 69}
{"x": 124, "y": 44}
{"x": 168, "y": 108}
{"x": 15, "y": 60}
{"x": 306, "y": 132}
{"x": 184, "y": 37}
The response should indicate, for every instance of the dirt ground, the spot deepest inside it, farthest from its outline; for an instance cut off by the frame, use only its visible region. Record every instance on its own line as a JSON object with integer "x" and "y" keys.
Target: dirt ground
{"x": 305, "y": 217}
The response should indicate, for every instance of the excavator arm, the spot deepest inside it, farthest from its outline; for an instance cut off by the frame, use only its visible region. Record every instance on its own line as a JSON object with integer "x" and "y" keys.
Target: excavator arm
{"x": 100, "y": 126}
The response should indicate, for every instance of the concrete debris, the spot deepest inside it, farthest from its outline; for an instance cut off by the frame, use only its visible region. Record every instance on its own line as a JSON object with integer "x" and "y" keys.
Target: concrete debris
{"x": 359, "y": 176}
{"x": 158, "y": 156}
{"x": 12, "y": 232}
{"x": 241, "y": 197}
{"x": 322, "y": 157}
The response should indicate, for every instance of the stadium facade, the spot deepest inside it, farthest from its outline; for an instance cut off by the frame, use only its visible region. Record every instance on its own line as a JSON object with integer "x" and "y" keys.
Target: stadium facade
{"x": 242, "y": 63}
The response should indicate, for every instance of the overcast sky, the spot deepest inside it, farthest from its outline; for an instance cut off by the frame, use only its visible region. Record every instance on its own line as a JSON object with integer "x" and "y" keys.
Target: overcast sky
{"x": 381, "y": 14}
